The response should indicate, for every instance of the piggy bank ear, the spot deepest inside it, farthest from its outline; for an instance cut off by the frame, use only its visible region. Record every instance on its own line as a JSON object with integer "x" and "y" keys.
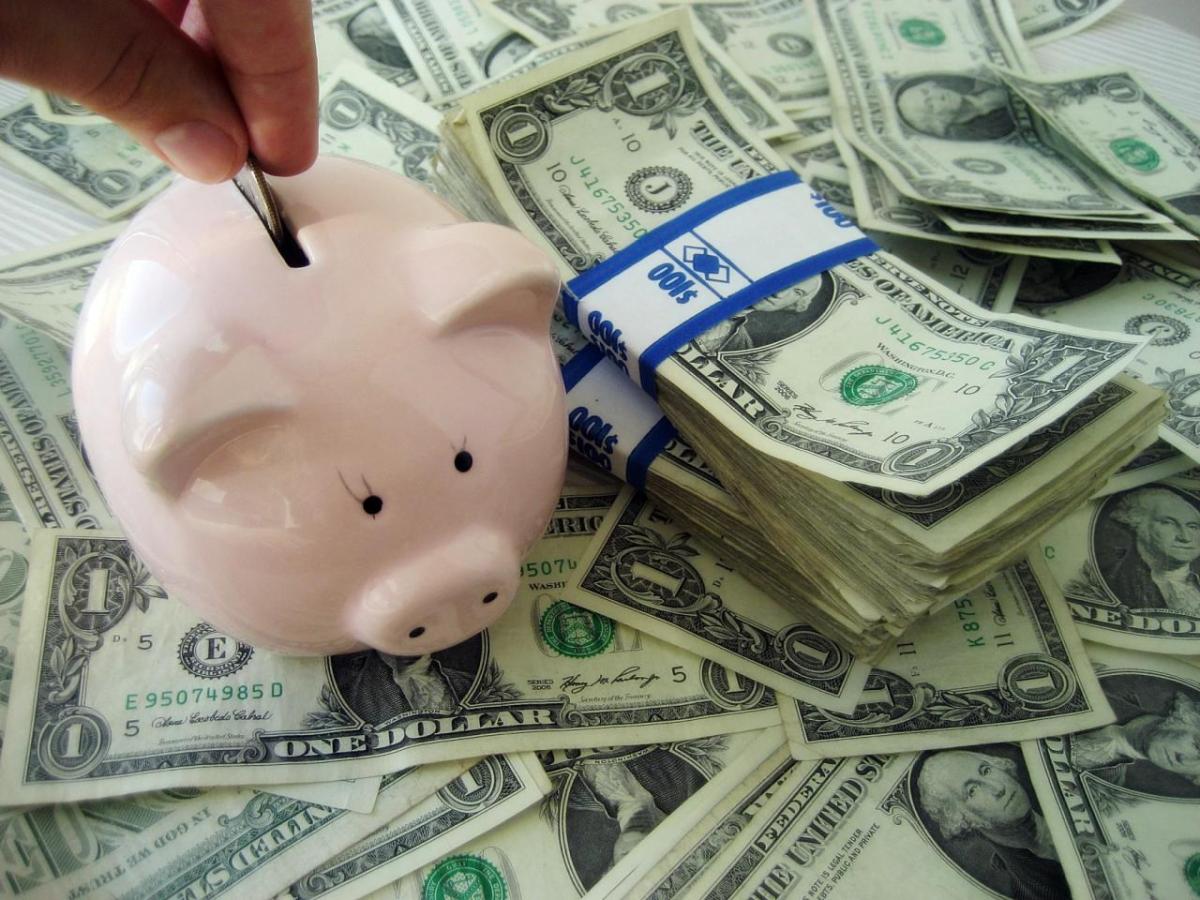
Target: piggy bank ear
{"x": 491, "y": 275}
{"x": 173, "y": 421}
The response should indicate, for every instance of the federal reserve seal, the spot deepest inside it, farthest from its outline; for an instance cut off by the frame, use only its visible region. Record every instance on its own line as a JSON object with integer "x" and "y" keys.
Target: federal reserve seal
{"x": 464, "y": 876}
{"x": 572, "y": 631}
{"x": 207, "y": 653}
{"x": 658, "y": 189}
{"x": 875, "y": 385}
{"x": 1163, "y": 331}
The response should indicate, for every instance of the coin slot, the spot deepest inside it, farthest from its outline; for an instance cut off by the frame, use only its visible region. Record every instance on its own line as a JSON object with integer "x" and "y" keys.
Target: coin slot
{"x": 252, "y": 185}
{"x": 289, "y": 248}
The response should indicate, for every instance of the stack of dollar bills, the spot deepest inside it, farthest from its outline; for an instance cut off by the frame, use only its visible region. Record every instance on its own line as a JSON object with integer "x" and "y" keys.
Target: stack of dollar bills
{"x": 891, "y": 443}
{"x": 902, "y": 594}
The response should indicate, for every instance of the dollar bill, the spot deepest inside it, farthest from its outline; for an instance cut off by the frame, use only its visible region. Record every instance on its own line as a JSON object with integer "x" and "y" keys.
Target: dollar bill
{"x": 880, "y": 206}
{"x": 744, "y": 94}
{"x": 802, "y": 152}
{"x": 48, "y": 295}
{"x": 912, "y": 90}
{"x": 773, "y": 42}
{"x": 14, "y": 572}
{"x": 491, "y": 792}
{"x": 1111, "y": 119}
{"x": 963, "y": 520}
{"x": 87, "y": 244}
{"x": 355, "y": 794}
{"x": 684, "y": 862}
{"x": 940, "y": 823}
{"x": 365, "y": 117}
{"x": 1158, "y": 461}
{"x": 769, "y": 44}
{"x": 1149, "y": 295}
{"x": 832, "y": 182}
{"x": 209, "y": 709}
{"x": 452, "y": 44}
{"x": 1122, "y": 802}
{"x": 1055, "y": 280}
{"x": 99, "y": 168}
{"x": 1002, "y": 661}
{"x": 752, "y": 104}
{"x": 724, "y": 376}
{"x": 1187, "y": 253}
{"x": 57, "y": 108}
{"x": 645, "y": 569}
{"x": 190, "y": 843}
{"x": 41, "y": 457}
{"x": 981, "y": 222}
{"x": 985, "y": 277}
{"x": 548, "y": 21}
{"x": 610, "y": 814}
{"x": 812, "y": 120}
{"x": 1129, "y": 565}
{"x": 356, "y": 31}
{"x": 1042, "y": 21}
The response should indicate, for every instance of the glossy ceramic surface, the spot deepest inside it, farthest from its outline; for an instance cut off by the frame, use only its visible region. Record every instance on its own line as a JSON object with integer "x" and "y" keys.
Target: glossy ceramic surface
{"x": 353, "y": 453}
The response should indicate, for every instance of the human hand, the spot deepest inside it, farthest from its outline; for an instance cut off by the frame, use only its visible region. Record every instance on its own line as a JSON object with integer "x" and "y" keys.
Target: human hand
{"x": 199, "y": 82}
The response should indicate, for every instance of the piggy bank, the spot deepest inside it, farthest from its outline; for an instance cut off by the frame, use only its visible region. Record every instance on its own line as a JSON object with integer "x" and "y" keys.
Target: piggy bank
{"x": 352, "y": 453}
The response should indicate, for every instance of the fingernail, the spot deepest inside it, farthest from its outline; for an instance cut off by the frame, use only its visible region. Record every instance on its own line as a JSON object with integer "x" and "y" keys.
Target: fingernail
{"x": 199, "y": 151}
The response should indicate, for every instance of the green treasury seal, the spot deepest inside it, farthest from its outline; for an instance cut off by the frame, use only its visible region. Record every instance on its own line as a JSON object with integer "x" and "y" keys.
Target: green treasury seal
{"x": 1191, "y": 871}
{"x": 1135, "y": 154}
{"x": 922, "y": 32}
{"x": 876, "y": 385}
{"x": 464, "y": 878}
{"x": 576, "y": 632}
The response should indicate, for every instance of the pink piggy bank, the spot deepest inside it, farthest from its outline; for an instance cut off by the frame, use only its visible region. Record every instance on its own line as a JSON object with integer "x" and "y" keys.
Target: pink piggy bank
{"x": 354, "y": 453}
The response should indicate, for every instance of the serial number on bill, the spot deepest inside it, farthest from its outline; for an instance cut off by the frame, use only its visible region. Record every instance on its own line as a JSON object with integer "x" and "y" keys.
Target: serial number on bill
{"x": 191, "y": 696}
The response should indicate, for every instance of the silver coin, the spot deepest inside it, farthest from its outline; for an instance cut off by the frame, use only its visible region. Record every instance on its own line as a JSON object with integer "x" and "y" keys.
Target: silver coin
{"x": 254, "y": 187}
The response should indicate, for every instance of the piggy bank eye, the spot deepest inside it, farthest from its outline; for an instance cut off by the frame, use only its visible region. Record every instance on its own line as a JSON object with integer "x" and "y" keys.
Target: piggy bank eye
{"x": 463, "y": 461}
{"x": 372, "y": 503}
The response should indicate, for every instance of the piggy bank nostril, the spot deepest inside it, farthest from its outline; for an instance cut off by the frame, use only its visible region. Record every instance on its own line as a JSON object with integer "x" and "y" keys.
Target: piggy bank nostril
{"x": 490, "y": 597}
{"x": 417, "y": 632}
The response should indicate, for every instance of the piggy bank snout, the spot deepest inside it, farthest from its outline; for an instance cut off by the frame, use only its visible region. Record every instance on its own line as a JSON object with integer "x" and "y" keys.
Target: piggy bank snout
{"x": 417, "y": 606}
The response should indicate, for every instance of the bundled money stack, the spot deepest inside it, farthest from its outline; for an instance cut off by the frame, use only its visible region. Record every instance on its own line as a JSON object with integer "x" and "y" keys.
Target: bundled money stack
{"x": 832, "y": 408}
{"x": 812, "y": 658}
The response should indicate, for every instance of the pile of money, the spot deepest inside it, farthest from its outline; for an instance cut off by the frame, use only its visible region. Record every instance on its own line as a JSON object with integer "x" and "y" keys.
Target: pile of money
{"x": 835, "y": 408}
{"x": 908, "y": 601}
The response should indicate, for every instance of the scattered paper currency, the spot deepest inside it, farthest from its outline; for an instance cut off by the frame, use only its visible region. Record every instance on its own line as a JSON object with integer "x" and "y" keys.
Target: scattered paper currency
{"x": 1121, "y": 802}
{"x": 1129, "y": 565}
{"x": 1001, "y": 662}
{"x": 891, "y": 615}
{"x": 547, "y": 668}
{"x": 610, "y": 814}
{"x": 99, "y": 168}
{"x": 1156, "y": 297}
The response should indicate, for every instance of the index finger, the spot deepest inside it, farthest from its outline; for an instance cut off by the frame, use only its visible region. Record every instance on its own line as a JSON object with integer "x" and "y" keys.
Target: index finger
{"x": 267, "y": 50}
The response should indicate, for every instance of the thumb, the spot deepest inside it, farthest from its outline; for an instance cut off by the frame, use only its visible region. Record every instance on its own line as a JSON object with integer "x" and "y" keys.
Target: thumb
{"x": 126, "y": 61}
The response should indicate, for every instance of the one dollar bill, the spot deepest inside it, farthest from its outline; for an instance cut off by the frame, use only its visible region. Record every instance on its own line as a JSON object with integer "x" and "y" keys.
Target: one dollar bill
{"x": 224, "y": 842}
{"x": 1122, "y": 801}
{"x": 645, "y": 569}
{"x": 208, "y": 709}
{"x": 1004, "y": 661}
{"x": 941, "y": 823}
{"x": 1129, "y": 565}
